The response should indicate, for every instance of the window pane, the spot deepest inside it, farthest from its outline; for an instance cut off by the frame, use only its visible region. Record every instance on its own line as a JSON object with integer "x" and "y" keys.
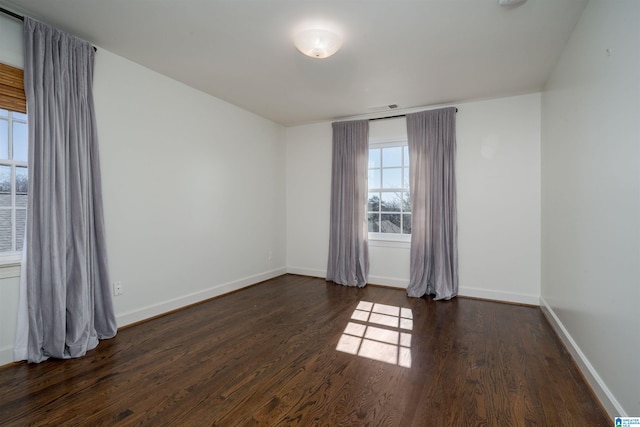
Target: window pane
{"x": 392, "y": 156}
{"x": 374, "y": 158}
{"x": 406, "y": 155}
{"x": 405, "y": 178}
{"x": 390, "y": 223}
{"x": 20, "y": 141}
{"x": 5, "y": 186}
{"x": 21, "y": 219}
{"x": 406, "y": 201}
{"x": 374, "y": 178}
{"x": 4, "y": 113}
{"x": 373, "y": 205}
{"x": 392, "y": 178}
{"x": 22, "y": 186}
{"x": 406, "y": 223}
{"x": 374, "y": 225}
{"x": 390, "y": 202}
{"x": 4, "y": 139}
{"x": 19, "y": 116}
{"x": 5, "y": 230}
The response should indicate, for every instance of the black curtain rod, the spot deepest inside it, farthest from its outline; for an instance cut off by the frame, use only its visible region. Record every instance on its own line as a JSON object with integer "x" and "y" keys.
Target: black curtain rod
{"x": 11, "y": 14}
{"x": 392, "y": 117}
{"x": 21, "y": 18}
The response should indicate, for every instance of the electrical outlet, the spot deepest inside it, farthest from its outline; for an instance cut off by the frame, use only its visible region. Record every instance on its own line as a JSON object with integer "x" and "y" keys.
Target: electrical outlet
{"x": 117, "y": 288}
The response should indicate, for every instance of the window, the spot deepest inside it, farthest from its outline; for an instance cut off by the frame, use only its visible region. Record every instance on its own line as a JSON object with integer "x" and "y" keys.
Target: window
{"x": 13, "y": 180}
{"x": 13, "y": 163}
{"x": 389, "y": 204}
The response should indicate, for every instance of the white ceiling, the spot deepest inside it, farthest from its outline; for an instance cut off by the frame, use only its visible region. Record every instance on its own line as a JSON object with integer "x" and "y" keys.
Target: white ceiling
{"x": 407, "y": 52}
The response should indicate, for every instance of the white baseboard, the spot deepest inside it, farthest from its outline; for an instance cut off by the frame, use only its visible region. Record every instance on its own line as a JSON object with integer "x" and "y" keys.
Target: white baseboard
{"x": 464, "y": 291}
{"x": 608, "y": 400}
{"x": 311, "y": 272}
{"x": 377, "y": 280}
{"x": 402, "y": 284}
{"x": 388, "y": 281}
{"x": 149, "y": 311}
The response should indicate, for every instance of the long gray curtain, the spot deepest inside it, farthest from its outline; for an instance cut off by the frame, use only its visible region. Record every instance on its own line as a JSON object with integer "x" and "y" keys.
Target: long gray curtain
{"x": 434, "y": 226}
{"x": 348, "y": 248}
{"x": 68, "y": 293}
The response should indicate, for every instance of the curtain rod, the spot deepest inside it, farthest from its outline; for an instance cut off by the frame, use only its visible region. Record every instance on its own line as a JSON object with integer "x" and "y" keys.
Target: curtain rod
{"x": 21, "y": 18}
{"x": 392, "y": 117}
{"x": 11, "y": 14}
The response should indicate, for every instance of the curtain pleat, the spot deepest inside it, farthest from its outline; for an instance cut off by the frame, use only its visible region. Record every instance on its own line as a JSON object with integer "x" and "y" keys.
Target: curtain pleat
{"x": 68, "y": 294}
{"x": 348, "y": 248}
{"x": 434, "y": 227}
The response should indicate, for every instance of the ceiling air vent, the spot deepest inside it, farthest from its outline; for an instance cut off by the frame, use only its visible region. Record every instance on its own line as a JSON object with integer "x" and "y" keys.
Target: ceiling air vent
{"x": 510, "y": 2}
{"x": 383, "y": 108}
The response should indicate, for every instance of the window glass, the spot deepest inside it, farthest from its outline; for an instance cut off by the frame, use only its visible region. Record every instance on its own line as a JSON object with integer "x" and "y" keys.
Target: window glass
{"x": 392, "y": 156}
{"x": 5, "y": 186}
{"x": 392, "y": 178}
{"x": 4, "y": 139}
{"x": 389, "y": 204}
{"x": 374, "y": 223}
{"x": 374, "y": 158}
{"x": 406, "y": 223}
{"x": 374, "y": 202}
{"x": 5, "y": 230}
{"x": 21, "y": 220}
{"x": 390, "y": 223}
{"x": 374, "y": 178}
{"x": 22, "y": 185}
{"x": 19, "y": 141}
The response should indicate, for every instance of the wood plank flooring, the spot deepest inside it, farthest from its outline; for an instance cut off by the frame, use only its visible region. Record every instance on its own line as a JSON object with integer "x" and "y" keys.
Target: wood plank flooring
{"x": 267, "y": 355}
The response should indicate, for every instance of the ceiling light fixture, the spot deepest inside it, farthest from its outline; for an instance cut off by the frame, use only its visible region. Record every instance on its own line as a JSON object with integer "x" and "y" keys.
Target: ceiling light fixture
{"x": 317, "y": 42}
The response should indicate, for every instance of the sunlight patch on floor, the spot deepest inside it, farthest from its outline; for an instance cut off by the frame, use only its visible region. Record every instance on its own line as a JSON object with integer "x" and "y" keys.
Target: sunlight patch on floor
{"x": 379, "y": 332}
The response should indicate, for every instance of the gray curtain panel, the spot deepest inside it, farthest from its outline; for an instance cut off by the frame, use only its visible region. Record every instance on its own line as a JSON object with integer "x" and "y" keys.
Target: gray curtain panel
{"x": 68, "y": 293}
{"x": 348, "y": 248}
{"x": 434, "y": 226}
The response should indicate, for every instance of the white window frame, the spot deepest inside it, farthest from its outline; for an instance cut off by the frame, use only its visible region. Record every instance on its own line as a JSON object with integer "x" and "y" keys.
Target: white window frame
{"x": 13, "y": 257}
{"x": 388, "y": 239}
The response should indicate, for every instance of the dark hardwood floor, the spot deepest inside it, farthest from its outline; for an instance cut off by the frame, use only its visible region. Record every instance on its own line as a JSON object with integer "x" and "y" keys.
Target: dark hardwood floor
{"x": 267, "y": 355}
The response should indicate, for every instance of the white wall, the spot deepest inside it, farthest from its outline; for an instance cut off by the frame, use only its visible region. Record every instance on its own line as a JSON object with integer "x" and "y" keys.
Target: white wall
{"x": 498, "y": 176}
{"x": 11, "y": 41}
{"x": 591, "y": 200}
{"x": 194, "y": 190}
{"x": 194, "y": 193}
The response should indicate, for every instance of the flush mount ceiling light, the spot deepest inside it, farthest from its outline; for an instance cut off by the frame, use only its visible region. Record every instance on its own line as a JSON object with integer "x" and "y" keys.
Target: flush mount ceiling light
{"x": 317, "y": 42}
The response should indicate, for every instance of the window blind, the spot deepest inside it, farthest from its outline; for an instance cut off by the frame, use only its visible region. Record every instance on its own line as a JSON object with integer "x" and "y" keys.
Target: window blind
{"x": 12, "y": 96}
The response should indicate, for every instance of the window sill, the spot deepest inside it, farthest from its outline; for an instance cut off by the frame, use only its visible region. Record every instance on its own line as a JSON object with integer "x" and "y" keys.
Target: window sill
{"x": 389, "y": 243}
{"x": 10, "y": 265}
{"x": 9, "y": 269}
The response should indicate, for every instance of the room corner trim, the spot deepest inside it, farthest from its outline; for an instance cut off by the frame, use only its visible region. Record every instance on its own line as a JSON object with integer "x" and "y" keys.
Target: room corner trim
{"x": 602, "y": 392}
